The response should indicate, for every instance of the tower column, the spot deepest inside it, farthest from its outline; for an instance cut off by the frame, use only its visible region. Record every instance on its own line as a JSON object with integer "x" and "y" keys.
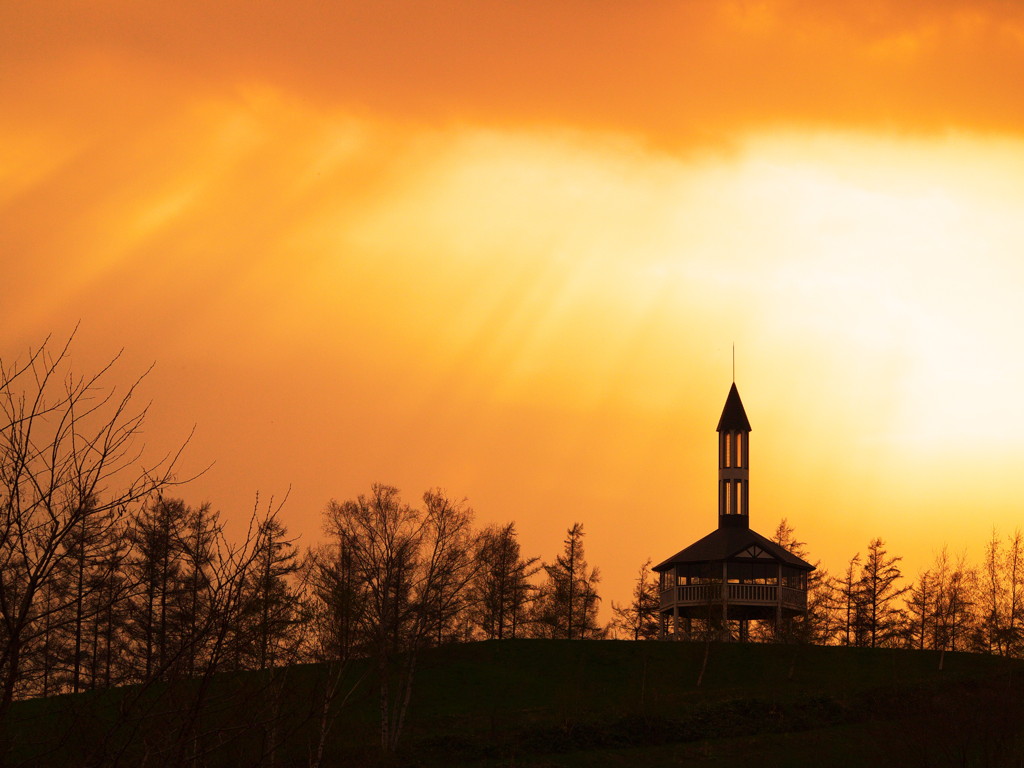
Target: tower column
{"x": 733, "y": 463}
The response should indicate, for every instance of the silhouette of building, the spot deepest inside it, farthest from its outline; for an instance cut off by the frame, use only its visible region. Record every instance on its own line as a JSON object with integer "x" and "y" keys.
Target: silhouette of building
{"x": 734, "y": 575}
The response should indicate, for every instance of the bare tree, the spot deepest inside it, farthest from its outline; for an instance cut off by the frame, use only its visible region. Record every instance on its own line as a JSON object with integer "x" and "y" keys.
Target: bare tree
{"x": 415, "y": 566}
{"x": 1001, "y": 586}
{"x": 69, "y": 454}
{"x": 449, "y": 544}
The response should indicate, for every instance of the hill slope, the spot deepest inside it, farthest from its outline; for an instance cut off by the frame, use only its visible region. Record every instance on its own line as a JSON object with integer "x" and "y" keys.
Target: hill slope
{"x": 538, "y": 702}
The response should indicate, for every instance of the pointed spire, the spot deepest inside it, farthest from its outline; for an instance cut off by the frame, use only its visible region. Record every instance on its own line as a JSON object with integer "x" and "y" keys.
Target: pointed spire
{"x": 734, "y": 418}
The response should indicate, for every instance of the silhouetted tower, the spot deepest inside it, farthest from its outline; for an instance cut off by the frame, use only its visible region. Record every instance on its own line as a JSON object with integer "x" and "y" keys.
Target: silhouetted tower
{"x": 733, "y": 575}
{"x": 733, "y": 463}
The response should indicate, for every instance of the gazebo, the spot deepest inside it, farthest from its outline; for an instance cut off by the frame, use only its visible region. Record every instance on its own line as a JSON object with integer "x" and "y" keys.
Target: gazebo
{"x": 734, "y": 575}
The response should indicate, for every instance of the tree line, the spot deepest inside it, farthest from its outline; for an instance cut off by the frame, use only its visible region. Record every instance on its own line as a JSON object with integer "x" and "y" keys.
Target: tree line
{"x": 952, "y": 605}
{"x": 107, "y": 579}
{"x": 156, "y": 591}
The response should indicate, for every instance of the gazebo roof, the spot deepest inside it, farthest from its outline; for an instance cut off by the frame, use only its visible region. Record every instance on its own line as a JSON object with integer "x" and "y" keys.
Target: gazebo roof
{"x": 734, "y": 418}
{"x": 734, "y": 543}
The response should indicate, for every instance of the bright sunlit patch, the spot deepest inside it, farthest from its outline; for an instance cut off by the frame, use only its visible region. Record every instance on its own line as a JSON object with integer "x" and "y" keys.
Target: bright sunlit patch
{"x": 873, "y": 260}
{"x": 897, "y": 251}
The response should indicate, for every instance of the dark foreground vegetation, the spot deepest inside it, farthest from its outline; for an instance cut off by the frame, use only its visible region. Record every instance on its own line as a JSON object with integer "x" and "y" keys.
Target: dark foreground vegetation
{"x": 560, "y": 703}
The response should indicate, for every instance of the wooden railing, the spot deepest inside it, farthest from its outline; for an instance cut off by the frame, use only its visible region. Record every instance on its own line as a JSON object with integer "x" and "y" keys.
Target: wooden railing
{"x": 794, "y": 598}
{"x": 753, "y": 593}
{"x": 705, "y": 594}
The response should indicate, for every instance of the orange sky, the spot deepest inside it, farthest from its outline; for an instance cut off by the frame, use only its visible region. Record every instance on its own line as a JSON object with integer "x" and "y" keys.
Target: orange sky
{"x": 505, "y": 247}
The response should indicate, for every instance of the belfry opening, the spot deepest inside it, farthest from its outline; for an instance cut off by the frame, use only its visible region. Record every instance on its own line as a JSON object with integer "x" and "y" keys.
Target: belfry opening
{"x": 734, "y": 577}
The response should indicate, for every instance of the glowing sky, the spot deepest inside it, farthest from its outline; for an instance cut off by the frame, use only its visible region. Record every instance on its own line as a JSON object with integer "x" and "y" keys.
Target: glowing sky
{"x": 505, "y": 248}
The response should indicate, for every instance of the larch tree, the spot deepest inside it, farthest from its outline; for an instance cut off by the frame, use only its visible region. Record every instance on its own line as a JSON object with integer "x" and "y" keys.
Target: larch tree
{"x": 112, "y": 590}
{"x": 1013, "y": 579}
{"x": 955, "y": 584}
{"x": 1001, "y": 589}
{"x": 335, "y": 600}
{"x": 992, "y": 599}
{"x": 879, "y": 590}
{"x": 157, "y": 569}
{"x": 86, "y": 551}
{"x": 920, "y": 608}
{"x": 200, "y": 534}
{"x": 849, "y": 604}
{"x": 501, "y": 588}
{"x": 270, "y": 613}
{"x": 638, "y": 620}
{"x": 817, "y": 624}
{"x": 568, "y": 602}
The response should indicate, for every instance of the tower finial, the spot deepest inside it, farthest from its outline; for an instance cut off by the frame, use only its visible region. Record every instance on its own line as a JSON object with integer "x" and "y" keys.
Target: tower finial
{"x": 734, "y": 362}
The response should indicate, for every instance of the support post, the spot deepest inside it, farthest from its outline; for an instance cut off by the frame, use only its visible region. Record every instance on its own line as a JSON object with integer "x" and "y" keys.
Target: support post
{"x": 723, "y": 632}
{"x": 778, "y": 606}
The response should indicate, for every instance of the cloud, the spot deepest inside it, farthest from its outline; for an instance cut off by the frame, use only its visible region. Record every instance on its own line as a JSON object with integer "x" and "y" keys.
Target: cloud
{"x": 674, "y": 72}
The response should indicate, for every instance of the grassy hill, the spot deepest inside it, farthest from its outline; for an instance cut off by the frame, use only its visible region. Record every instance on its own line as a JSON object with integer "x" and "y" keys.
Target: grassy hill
{"x": 560, "y": 703}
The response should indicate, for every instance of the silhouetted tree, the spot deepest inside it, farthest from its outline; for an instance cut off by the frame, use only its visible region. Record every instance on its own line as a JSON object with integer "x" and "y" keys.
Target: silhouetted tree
{"x": 1013, "y": 586}
{"x": 336, "y": 600}
{"x": 67, "y": 455}
{"x": 639, "y": 619}
{"x": 878, "y": 591}
{"x": 501, "y": 589}
{"x": 157, "y": 568}
{"x": 450, "y": 546}
{"x": 168, "y": 718}
{"x": 269, "y": 614}
{"x": 199, "y": 537}
{"x": 999, "y": 595}
{"x": 850, "y": 603}
{"x": 920, "y": 611}
{"x": 817, "y": 625}
{"x": 568, "y": 600}
{"x": 954, "y": 602}
{"x": 992, "y": 596}
{"x": 415, "y": 566}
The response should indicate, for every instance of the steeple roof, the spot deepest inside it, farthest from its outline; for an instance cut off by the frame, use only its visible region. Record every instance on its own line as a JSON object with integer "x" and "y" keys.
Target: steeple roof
{"x": 734, "y": 418}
